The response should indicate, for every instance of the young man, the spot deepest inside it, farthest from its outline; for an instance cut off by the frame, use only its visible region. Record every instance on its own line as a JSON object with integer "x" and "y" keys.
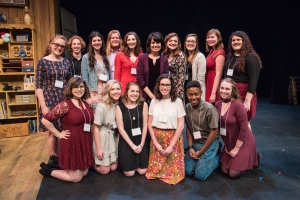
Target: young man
{"x": 76, "y": 45}
{"x": 202, "y": 134}
{"x": 113, "y": 45}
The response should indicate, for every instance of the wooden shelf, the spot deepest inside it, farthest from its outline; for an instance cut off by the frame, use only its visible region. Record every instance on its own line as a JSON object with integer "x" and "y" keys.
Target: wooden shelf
{"x": 20, "y": 104}
{"x": 17, "y": 26}
{"x": 16, "y": 73}
{"x": 22, "y": 117}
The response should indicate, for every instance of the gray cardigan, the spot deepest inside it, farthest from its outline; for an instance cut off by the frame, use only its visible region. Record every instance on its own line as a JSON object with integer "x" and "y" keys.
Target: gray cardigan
{"x": 199, "y": 70}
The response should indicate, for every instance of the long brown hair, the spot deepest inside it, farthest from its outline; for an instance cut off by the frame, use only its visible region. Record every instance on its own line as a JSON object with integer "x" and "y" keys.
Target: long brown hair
{"x": 47, "y": 52}
{"x": 102, "y": 52}
{"x": 173, "y": 91}
{"x": 167, "y": 51}
{"x": 137, "y": 49}
{"x": 247, "y": 48}
{"x": 196, "y": 50}
{"x": 125, "y": 96}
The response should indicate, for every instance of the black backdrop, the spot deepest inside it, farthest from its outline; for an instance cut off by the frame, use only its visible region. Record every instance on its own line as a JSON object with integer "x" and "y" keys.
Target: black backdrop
{"x": 273, "y": 28}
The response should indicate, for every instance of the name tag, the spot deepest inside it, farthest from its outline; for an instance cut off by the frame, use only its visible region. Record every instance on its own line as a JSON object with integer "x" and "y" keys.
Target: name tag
{"x": 163, "y": 118}
{"x": 229, "y": 72}
{"x": 197, "y": 135}
{"x": 87, "y": 127}
{"x": 136, "y": 131}
{"x": 114, "y": 124}
{"x": 103, "y": 77}
{"x": 133, "y": 70}
{"x": 59, "y": 84}
{"x": 187, "y": 77}
{"x": 223, "y": 131}
{"x": 77, "y": 76}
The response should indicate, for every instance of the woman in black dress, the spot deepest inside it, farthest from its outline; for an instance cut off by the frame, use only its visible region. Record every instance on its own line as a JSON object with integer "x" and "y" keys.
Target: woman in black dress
{"x": 131, "y": 117}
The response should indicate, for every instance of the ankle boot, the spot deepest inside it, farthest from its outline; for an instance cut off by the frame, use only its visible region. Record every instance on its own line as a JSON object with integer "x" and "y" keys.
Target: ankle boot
{"x": 50, "y": 165}
{"x": 45, "y": 170}
{"x": 53, "y": 159}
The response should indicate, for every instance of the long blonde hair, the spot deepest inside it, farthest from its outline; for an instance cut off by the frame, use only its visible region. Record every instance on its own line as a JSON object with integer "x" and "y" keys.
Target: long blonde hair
{"x": 48, "y": 49}
{"x": 106, "y": 99}
{"x": 108, "y": 45}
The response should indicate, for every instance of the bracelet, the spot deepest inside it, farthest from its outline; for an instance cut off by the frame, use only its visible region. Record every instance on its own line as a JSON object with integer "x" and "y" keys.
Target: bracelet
{"x": 43, "y": 107}
{"x": 190, "y": 147}
{"x": 237, "y": 146}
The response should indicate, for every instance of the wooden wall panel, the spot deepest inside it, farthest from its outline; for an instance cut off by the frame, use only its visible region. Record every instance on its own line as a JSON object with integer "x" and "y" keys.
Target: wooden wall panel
{"x": 44, "y": 14}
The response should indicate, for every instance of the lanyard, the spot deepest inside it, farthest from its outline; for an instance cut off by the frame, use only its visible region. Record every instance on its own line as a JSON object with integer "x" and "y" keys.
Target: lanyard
{"x": 137, "y": 107}
{"x": 230, "y": 63}
{"x": 56, "y": 71}
{"x": 84, "y": 114}
{"x": 226, "y": 116}
{"x": 199, "y": 116}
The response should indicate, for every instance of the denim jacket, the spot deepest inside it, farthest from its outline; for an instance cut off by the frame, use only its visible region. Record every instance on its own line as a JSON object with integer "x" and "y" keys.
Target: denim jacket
{"x": 90, "y": 76}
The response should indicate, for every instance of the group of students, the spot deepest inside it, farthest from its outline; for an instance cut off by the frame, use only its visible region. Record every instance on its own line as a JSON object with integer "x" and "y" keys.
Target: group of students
{"x": 101, "y": 115}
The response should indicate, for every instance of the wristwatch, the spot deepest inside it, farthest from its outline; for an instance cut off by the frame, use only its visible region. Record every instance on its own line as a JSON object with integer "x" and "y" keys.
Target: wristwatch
{"x": 190, "y": 147}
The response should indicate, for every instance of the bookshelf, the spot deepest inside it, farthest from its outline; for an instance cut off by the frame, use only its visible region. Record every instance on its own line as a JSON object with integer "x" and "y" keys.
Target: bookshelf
{"x": 18, "y": 59}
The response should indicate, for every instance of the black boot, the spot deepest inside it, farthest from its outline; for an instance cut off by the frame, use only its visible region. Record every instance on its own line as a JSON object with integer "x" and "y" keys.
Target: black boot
{"x": 45, "y": 170}
{"x": 53, "y": 159}
{"x": 50, "y": 165}
{"x": 259, "y": 156}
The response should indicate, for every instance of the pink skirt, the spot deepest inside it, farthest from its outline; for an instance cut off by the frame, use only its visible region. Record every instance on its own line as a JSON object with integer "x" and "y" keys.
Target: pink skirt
{"x": 242, "y": 88}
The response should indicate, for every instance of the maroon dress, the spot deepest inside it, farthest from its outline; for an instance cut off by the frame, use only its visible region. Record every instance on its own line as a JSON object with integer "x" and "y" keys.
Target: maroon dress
{"x": 237, "y": 129}
{"x": 211, "y": 71}
{"x": 76, "y": 152}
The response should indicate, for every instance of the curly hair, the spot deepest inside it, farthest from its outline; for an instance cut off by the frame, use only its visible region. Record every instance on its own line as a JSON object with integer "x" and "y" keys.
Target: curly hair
{"x": 108, "y": 43}
{"x": 196, "y": 50}
{"x": 48, "y": 49}
{"x": 137, "y": 49}
{"x": 82, "y": 43}
{"x": 219, "y": 44}
{"x": 247, "y": 48}
{"x": 125, "y": 96}
{"x": 235, "y": 95}
{"x": 102, "y": 52}
{"x": 74, "y": 83}
{"x": 173, "y": 91}
{"x": 158, "y": 38}
{"x": 167, "y": 51}
{"x": 106, "y": 99}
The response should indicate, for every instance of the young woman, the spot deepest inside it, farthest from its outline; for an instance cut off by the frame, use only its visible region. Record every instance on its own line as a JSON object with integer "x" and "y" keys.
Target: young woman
{"x": 239, "y": 153}
{"x": 113, "y": 45}
{"x": 75, "y": 146}
{"x": 131, "y": 117}
{"x": 165, "y": 124}
{"x": 196, "y": 63}
{"x": 95, "y": 67}
{"x": 151, "y": 65}
{"x": 177, "y": 62}
{"x": 52, "y": 75}
{"x": 243, "y": 65}
{"x": 214, "y": 64}
{"x": 76, "y": 45}
{"x": 104, "y": 129}
{"x": 126, "y": 60}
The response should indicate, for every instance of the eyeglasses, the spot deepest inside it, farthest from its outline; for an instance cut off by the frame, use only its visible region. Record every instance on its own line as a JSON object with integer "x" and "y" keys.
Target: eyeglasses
{"x": 165, "y": 85}
{"x": 58, "y": 45}
{"x": 191, "y": 41}
{"x": 79, "y": 88}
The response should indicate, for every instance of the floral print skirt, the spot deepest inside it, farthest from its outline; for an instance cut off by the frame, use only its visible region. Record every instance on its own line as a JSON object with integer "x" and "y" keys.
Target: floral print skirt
{"x": 169, "y": 169}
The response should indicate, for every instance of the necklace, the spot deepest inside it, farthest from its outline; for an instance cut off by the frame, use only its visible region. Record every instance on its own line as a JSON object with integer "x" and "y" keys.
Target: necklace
{"x": 132, "y": 114}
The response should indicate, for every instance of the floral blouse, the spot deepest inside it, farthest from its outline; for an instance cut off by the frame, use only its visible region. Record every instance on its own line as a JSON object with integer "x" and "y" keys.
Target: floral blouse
{"x": 177, "y": 67}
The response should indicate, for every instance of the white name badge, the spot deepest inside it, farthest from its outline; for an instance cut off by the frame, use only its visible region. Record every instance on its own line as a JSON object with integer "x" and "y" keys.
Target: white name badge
{"x": 87, "y": 127}
{"x": 103, "y": 77}
{"x": 197, "y": 135}
{"x": 223, "y": 131}
{"x": 59, "y": 84}
{"x": 187, "y": 77}
{"x": 114, "y": 124}
{"x": 133, "y": 70}
{"x": 163, "y": 118}
{"x": 229, "y": 72}
{"x": 136, "y": 131}
{"x": 77, "y": 76}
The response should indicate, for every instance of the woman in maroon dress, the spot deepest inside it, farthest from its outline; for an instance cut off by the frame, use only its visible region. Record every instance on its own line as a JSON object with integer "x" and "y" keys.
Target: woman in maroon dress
{"x": 239, "y": 153}
{"x": 75, "y": 147}
{"x": 214, "y": 64}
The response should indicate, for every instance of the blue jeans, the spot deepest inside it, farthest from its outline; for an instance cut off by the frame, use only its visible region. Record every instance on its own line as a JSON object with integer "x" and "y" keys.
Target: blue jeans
{"x": 206, "y": 164}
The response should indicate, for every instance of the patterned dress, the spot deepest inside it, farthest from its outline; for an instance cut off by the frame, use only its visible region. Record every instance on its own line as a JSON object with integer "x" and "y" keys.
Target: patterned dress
{"x": 75, "y": 153}
{"x": 47, "y": 72}
{"x": 177, "y": 67}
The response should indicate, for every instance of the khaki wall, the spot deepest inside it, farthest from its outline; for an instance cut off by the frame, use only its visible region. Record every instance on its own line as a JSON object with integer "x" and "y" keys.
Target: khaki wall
{"x": 44, "y": 15}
